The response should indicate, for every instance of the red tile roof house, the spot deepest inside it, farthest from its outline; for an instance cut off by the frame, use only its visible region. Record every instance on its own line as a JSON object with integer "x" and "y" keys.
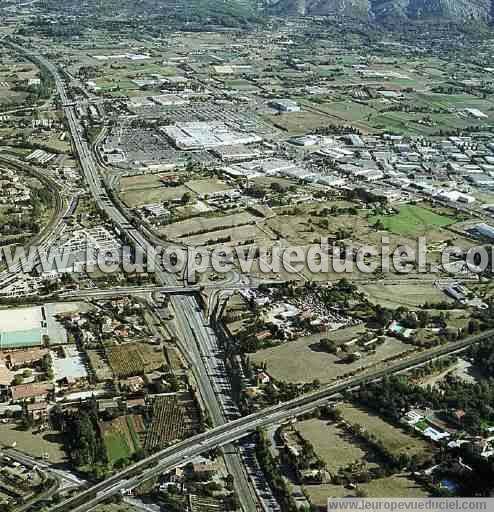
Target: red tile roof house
{"x": 38, "y": 391}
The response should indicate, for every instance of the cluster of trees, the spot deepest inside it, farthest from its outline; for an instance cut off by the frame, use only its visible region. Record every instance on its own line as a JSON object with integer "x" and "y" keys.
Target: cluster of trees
{"x": 486, "y": 316}
{"x": 436, "y": 366}
{"x": 482, "y": 355}
{"x": 365, "y": 196}
{"x": 334, "y": 211}
{"x": 337, "y": 130}
{"x": 305, "y": 459}
{"x": 393, "y": 461}
{"x": 341, "y": 293}
{"x": 328, "y": 345}
{"x": 82, "y": 440}
{"x": 283, "y": 391}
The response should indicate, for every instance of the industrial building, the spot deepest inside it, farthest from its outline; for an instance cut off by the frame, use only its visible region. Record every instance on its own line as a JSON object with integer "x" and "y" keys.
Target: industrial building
{"x": 455, "y": 197}
{"x": 168, "y": 100}
{"x": 484, "y": 230}
{"x": 285, "y": 105}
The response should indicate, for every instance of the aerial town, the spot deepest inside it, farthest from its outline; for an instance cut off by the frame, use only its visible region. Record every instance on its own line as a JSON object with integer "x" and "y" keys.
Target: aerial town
{"x": 246, "y": 254}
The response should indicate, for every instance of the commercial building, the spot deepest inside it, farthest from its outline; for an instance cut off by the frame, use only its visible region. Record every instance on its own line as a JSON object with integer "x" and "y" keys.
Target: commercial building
{"x": 455, "y": 197}
{"x": 203, "y": 135}
{"x": 236, "y": 153}
{"x": 475, "y": 112}
{"x": 168, "y": 100}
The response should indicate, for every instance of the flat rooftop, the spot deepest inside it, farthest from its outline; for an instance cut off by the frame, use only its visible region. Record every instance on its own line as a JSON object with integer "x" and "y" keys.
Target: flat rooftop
{"x": 203, "y": 135}
{"x": 20, "y": 319}
{"x": 25, "y": 327}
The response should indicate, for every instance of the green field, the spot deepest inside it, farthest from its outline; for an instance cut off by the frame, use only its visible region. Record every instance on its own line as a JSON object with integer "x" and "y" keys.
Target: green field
{"x": 116, "y": 447}
{"x": 412, "y": 221}
{"x": 120, "y": 438}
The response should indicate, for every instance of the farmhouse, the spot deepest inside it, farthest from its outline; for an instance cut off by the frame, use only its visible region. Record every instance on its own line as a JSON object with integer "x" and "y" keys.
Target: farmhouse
{"x": 22, "y": 358}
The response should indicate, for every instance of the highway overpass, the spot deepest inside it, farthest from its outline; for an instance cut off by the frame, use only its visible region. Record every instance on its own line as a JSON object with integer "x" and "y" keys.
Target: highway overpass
{"x": 183, "y": 452}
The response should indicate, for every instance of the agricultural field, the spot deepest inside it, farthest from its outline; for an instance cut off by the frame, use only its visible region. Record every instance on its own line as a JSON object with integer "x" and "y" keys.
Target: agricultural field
{"x": 130, "y": 359}
{"x": 173, "y": 358}
{"x": 14, "y": 74}
{"x": 34, "y": 444}
{"x": 140, "y": 182}
{"x": 53, "y": 142}
{"x": 396, "y": 486}
{"x": 146, "y": 189}
{"x": 99, "y": 365}
{"x": 205, "y": 504}
{"x": 213, "y": 227}
{"x": 122, "y": 437}
{"x": 239, "y": 235}
{"x": 173, "y": 419}
{"x": 207, "y": 186}
{"x": 340, "y": 450}
{"x": 298, "y": 123}
{"x": 302, "y": 361}
{"x": 304, "y": 226}
{"x": 394, "y": 439}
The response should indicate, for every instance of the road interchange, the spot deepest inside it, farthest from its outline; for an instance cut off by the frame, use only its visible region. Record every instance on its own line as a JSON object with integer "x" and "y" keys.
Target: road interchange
{"x": 200, "y": 338}
{"x": 200, "y": 343}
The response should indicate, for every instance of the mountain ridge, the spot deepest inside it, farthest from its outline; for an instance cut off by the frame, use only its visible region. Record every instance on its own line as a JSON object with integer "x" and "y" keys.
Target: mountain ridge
{"x": 389, "y": 10}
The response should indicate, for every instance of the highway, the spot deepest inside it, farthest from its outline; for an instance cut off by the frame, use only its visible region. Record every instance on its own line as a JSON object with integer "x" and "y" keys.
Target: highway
{"x": 199, "y": 343}
{"x": 95, "y": 293}
{"x": 197, "y": 339}
{"x": 181, "y": 453}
